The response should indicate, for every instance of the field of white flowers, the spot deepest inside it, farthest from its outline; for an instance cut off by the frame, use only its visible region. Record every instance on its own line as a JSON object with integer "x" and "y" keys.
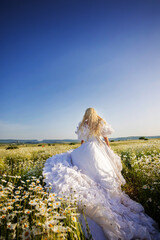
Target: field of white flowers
{"x": 30, "y": 211}
{"x": 141, "y": 169}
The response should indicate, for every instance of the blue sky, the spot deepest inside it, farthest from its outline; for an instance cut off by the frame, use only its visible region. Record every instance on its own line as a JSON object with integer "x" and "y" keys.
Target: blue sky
{"x": 60, "y": 57}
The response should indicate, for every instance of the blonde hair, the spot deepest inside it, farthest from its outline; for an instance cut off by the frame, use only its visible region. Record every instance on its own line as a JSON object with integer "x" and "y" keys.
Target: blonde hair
{"x": 94, "y": 122}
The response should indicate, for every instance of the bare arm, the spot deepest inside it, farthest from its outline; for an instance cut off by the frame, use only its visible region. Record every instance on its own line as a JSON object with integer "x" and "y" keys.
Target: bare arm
{"x": 82, "y": 141}
{"x": 107, "y": 141}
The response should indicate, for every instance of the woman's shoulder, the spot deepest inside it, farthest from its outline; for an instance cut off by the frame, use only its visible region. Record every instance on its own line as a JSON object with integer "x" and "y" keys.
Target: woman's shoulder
{"x": 83, "y": 132}
{"x": 106, "y": 128}
{"x": 103, "y": 122}
{"x": 84, "y": 126}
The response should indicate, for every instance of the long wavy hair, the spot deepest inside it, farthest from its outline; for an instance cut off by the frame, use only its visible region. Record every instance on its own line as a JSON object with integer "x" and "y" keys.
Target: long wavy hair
{"x": 94, "y": 122}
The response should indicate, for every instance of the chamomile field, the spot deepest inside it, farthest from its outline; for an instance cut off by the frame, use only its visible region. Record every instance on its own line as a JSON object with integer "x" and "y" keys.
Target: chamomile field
{"x": 28, "y": 210}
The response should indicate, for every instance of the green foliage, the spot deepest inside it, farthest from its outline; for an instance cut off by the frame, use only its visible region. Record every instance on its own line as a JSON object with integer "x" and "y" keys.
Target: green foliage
{"x": 143, "y": 138}
{"x": 72, "y": 143}
{"x": 21, "y": 182}
{"x": 11, "y": 147}
{"x": 140, "y": 160}
{"x": 29, "y": 212}
{"x": 141, "y": 171}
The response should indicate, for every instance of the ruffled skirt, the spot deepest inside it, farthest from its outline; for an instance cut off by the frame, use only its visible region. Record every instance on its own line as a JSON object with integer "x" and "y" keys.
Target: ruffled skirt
{"x": 92, "y": 173}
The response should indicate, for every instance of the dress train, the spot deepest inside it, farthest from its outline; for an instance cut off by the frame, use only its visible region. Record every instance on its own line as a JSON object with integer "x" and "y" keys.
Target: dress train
{"x": 106, "y": 206}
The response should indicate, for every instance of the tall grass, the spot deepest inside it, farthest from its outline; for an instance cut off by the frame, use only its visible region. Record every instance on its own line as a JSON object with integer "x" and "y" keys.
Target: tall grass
{"x": 141, "y": 169}
{"x": 29, "y": 211}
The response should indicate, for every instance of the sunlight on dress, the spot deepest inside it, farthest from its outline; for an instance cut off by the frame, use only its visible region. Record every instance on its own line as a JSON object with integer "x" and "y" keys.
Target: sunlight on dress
{"x": 92, "y": 172}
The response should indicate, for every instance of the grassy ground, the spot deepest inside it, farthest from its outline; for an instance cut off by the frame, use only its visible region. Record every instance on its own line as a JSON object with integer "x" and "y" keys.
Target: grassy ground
{"x": 49, "y": 217}
{"x": 27, "y": 209}
{"x": 141, "y": 169}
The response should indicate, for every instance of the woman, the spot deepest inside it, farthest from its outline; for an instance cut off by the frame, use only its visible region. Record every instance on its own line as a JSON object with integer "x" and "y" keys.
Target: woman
{"x": 93, "y": 173}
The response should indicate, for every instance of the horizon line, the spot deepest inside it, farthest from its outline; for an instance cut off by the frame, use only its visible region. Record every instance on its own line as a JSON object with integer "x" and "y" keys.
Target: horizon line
{"x": 75, "y": 139}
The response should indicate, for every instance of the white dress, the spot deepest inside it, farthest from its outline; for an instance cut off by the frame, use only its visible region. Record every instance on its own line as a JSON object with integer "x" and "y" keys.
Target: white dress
{"x": 92, "y": 172}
